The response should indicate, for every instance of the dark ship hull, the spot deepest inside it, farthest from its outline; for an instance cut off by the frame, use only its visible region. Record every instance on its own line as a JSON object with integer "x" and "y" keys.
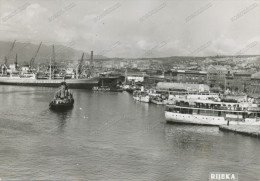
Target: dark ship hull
{"x": 87, "y": 83}
{"x": 61, "y": 105}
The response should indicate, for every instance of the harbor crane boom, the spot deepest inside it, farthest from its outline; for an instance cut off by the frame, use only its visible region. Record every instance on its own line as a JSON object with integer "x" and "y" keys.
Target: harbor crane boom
{"x": 10, "y": 52}
{"x": 163, "y": 70}
{"x": 33, "y": 58}
{"x": 80, "y": 64}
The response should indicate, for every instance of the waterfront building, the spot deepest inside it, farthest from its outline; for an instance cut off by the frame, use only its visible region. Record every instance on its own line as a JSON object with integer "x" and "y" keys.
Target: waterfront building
{"x": 189, "y": 76}
{"x": 143, "y": 66}
{"x": 254, "y": 87}
{"x": 135, "y": 77}
{"x": 216, "y": 76}
{"x": 238, "y": 81}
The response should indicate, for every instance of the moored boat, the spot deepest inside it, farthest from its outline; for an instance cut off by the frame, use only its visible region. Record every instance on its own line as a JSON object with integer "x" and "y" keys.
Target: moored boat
{"x": 158, "y": 99}
{"x": 208, "y": 112}
{"x": 107, "y": 89}
{"x": 141, "y": 96}
{"x": 102, "y": 88}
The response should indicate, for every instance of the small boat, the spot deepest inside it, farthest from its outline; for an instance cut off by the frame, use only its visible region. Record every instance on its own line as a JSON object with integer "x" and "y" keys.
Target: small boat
{"x": 63, "y": 98}
{"x": 141, "y": 96}
{"x": 157, "y": 100}
{"x": 102, "y": 88}
{"x": 107, "y": 89}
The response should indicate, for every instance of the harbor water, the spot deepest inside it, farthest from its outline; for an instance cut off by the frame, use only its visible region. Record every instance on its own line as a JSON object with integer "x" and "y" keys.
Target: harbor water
{"x": 109, "y": 136}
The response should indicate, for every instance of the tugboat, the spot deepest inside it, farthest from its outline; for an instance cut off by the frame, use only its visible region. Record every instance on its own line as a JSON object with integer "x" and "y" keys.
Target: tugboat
{"x": 63, "y": 98}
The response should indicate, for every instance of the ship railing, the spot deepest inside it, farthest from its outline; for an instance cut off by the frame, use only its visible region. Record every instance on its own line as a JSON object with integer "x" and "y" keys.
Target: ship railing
{"x": 213, "y": 107}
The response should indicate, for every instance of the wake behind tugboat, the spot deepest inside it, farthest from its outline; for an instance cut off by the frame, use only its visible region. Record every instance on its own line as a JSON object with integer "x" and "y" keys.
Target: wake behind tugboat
{"x": 63, "y": 98}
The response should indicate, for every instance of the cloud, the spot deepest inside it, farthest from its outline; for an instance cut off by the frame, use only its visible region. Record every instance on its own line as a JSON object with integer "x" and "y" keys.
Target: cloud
{"x": 121, "y": 23}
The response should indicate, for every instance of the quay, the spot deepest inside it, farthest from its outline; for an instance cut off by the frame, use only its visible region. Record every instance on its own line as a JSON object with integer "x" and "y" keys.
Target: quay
{"x": 253, "y": 131}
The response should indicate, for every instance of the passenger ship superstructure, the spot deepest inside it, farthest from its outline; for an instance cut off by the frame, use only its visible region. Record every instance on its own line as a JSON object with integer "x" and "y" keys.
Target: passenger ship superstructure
{"x": 191, "y": 95}
{"x": 209, "y": 112}
{"x": 169, "y": 97}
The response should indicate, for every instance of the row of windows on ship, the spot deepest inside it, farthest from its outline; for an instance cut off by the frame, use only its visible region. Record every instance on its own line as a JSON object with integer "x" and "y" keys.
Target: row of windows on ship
{"x": 212, "y": 112}
{"x": 229, "y": 106}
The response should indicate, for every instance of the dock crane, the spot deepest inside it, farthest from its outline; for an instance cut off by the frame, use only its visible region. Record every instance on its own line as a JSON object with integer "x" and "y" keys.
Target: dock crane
{"x": 53, "y": 55}
{"x": 34, "y": 56}
{"x": 163, "y": 70}
{"x": 79, "y": 68}
{"x": 16, "y": 61}
{"x": 4, "y": 66}
{"x": 10, "y": 52}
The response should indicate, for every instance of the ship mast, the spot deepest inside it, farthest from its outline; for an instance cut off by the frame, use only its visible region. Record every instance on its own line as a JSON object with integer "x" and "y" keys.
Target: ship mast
{"x": 125, "y": 75}
{"x": 50, "y": 69}
{"x": 53, "y": 57}
{"x": 91, "y": 63}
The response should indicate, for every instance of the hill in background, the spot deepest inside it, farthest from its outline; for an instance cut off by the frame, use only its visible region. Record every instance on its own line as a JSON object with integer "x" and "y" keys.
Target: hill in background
{"x": 25, "y": 52}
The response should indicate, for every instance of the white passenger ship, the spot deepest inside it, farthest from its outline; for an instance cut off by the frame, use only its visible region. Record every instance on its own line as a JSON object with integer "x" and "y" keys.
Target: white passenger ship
{"x": 208, "y": 112}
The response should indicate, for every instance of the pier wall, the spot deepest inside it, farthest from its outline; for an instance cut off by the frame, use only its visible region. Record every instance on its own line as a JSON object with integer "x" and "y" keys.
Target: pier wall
{"x": 253, "y": 131}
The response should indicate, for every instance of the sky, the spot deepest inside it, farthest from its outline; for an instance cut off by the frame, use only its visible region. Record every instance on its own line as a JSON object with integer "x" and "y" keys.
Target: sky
{"x": 136, "y": 28}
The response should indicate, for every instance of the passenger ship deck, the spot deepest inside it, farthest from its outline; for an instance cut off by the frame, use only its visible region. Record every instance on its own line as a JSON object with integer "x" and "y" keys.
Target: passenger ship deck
{"x": 207, "y": 112}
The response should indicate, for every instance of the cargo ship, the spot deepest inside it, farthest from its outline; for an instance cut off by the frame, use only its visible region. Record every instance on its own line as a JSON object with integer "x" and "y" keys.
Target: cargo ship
{"x": 84, "y": 83}
{"x": 29, "y": 76}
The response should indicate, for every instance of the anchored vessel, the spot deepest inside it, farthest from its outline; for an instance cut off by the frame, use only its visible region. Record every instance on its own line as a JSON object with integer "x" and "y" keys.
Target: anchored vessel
{"x": 208, "y": 112}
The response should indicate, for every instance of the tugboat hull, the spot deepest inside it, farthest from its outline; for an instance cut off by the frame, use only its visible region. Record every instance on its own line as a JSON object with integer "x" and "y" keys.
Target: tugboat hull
{"x": 61, "y": 105}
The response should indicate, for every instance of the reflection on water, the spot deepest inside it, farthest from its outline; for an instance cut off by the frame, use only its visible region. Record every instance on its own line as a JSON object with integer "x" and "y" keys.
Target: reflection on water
{"x": 194, "y": 139}
{"x": 62, "y": 117}
{"x": 109, "y": 136}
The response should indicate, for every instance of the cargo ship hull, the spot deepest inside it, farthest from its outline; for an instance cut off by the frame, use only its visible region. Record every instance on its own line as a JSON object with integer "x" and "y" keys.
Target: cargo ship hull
{"x": 72, "y": 83}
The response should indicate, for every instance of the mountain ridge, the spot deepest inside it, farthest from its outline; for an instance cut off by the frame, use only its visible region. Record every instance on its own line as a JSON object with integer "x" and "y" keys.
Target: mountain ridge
{"x": 26, "y": 50}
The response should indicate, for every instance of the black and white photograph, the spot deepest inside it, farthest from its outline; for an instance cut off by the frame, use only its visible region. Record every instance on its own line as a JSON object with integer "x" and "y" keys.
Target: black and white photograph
{"x": 130, "y": 90}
